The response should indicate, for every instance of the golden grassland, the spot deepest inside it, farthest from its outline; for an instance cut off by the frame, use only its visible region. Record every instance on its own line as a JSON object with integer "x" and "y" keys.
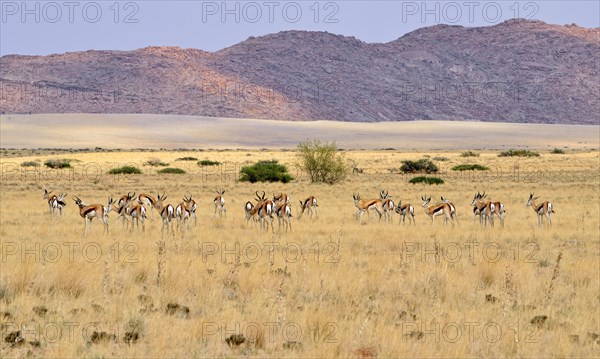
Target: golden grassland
{"x": 329, "y": 288}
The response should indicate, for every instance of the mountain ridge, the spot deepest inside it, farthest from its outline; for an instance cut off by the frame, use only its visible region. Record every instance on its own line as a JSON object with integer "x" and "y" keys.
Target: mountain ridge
{"x": 517, "y": 71}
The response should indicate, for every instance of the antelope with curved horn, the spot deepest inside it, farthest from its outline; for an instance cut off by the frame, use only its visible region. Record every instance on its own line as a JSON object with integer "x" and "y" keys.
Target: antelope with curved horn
{"x": 309, "y": 205}
{"x": 405, "y": 209}
{"x": 147, "y": 200}
{"x": 167, "y": 213}
{"x": 219, "y": 202}
{"x": 283, "y": 210}
{"x": 123, "y": 207}
{"x": 479, "y": 207}
{"x": 452, "y": 209}
{"x": 192, "y": 207}
{"x": 545, "y": 208}
{"x": 88, "y": 213}
{"x": 183, "y": 212}
{"x": 387, "y": 205}
{"x": 265, "y": 208}
{"x": 364, "y": 205}
{"x": 55, "y": 202}
{"x": 137, "y": 213}
{"x": 442, "y": 209}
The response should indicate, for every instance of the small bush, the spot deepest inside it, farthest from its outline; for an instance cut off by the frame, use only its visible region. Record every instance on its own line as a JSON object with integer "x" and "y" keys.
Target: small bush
{"x": 187, "y": 159}
{"x": 265, "y": 171}
{"x": 557, "y": 151}
{"x": 173, "y": 170}
{"x": 441, "y": 159}
{"x": 156, "y": 162}
{"x": 208, "y": 163}
{"x": 323, "y": 162}
{"x": 124, "y": 170}
{"x": 422, "y": 165}
{"x": 58, "y": 163}
{"x": 426, "y": 180}
{"x": 468, "y": 167}
{"x": 30, "y": 164}
{"x": 518, "y": 153}
{"x": 469, "y": 154}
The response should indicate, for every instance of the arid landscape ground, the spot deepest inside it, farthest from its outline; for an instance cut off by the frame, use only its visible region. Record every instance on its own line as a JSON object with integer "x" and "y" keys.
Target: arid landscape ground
{"x": 330, "y": 287}
{"x": 124, "y": 131}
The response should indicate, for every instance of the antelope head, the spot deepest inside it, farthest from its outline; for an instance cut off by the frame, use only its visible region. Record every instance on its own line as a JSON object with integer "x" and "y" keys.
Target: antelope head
{"x": 531, "y": 199}
{"x": 425, "y": 200}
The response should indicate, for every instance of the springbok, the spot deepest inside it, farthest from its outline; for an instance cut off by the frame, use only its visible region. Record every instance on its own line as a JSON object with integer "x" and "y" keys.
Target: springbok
{"x": 282, "y": 210}
{"x": 264, "y": 209}
{"x": 137, "y": 212}
{"x": 250, "y": 212}
{"x": 452, "y": 209}
{"x": 442, "y": 209}
{"x": 544, "y": 208}
{"x": 192, "y": 207}
{"x": 88, "y": 213}
{"x": 147, "y": 200}
{"x": 183, "y": 212}
{"x": 479, "y": 206}
{"x": 55, "y": 202}
{"x": 487, "y": 210}
{"x": 403, "y": 210}
{"x": 123, "y": 207}
{"x": 387, "y": 205}
{"x": 364, "y": 205}
{"x": 309, "y": 205}
{"x": 219, "y": 202}
{"x": 167, "y": 213}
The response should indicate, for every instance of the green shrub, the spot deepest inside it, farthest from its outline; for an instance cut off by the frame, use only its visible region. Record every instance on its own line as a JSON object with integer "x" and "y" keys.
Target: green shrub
{"x": 422, "y": 165}
{"x": 441, "y": 159}
{"x": 187, "y": 159}
{"x": 156, "y": 162}
{"x": 322, "y": 162}
{"x": 557, "y": 151}
{"x": 58, "y": 163}
{"x": 518, "y": 153}
{"x": 173, "y": 170}
{"x": 470, "y": 167}
{"x": 124, "y": 170}
{"x": 469, "y": 154}
{"x": 426, "y": 180}
{"x": 208, "y": 163}
{"x": 30, "y": 164}
{"x": 265, "y": 171}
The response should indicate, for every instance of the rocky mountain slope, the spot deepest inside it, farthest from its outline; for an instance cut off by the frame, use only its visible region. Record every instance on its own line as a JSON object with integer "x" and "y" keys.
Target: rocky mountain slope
{"x": 516, "y": 71}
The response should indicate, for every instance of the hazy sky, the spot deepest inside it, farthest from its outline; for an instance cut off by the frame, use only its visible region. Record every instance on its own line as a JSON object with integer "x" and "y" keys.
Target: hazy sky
{"x": 46, "y": 27}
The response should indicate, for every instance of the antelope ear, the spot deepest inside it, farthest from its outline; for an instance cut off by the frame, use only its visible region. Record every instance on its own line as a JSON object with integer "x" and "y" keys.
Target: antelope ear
{"x": 537, "y": 197}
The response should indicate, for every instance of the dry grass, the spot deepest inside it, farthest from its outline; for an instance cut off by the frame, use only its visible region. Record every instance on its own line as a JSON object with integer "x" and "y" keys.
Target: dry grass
{"x": 372, "y": 290}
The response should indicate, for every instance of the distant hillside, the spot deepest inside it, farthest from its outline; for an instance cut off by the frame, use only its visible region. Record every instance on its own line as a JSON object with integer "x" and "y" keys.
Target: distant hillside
{"x": 517, "y": 71}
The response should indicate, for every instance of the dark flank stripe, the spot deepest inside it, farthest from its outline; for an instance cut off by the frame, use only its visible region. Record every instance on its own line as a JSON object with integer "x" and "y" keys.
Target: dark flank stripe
{"x": 438, "y": 209}
{"x": 373, "y": 202}
{"x": 539, "y": 208}
{"x": 88, "y": 210}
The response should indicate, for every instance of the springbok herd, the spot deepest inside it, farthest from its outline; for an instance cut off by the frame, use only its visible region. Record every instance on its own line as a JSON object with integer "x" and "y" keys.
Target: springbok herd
{"x": 130, "y": 207}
